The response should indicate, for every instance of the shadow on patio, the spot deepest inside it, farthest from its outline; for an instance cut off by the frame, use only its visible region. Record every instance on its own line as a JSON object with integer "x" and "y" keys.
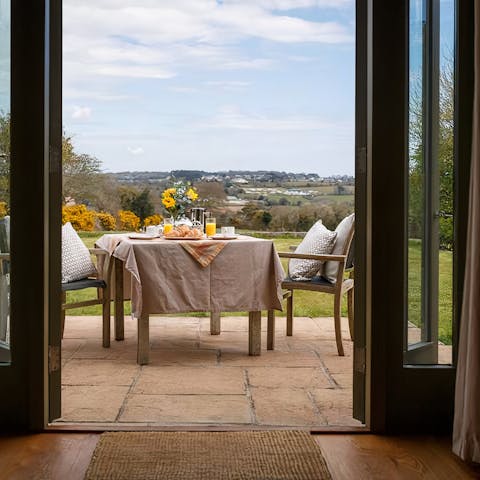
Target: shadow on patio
{"x": 195, "y": 378}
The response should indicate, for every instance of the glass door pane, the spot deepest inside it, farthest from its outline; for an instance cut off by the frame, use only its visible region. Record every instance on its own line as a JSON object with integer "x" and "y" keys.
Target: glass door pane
{"x": 4, "y": 180}
{"x": 446, "y": 166}
{"x": 428, "y": 327}
{"x": 416, "y": 169}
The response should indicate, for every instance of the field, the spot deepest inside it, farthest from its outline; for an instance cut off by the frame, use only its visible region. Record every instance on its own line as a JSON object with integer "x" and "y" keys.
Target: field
{"x": 309, "y": 304}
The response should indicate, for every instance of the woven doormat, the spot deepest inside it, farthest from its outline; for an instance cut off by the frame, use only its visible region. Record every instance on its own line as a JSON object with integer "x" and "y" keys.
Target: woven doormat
{"x": 273, "y": 455}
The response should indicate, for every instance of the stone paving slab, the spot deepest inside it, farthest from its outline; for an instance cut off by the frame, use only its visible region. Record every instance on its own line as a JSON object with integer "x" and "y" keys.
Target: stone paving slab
{"x": 186, "y": 409}
{"x": 193, "y": 381}
{"x": 293, "y": 377}
{"x": 185, "y": 358}
{"x": 274, "y": 406}
{"x": 99, "y": 372}
{"x": 335, "y": 406}
{"x": 92, "y": 403}
{"x": 273, "y": 358}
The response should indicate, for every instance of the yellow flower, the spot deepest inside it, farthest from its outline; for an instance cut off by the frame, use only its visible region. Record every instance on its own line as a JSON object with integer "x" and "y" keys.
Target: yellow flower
{"x": 168, "y": 202}
{"x": 192, "y": 194}
{"x": 169, "y": 192}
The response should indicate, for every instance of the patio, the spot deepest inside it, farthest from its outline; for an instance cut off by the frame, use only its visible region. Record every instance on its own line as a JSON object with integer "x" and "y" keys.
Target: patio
{"x": 195, "y": 378}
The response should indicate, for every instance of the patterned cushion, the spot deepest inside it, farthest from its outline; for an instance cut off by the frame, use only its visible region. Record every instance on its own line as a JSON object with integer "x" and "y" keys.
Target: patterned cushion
{"x": 343, "y": 230}
{"x": 76, "y": 261}
{"x": 318, "y": 240}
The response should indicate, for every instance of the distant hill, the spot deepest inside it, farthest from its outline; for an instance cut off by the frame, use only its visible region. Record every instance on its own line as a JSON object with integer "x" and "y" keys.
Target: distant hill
{"x": 233, "y": 176}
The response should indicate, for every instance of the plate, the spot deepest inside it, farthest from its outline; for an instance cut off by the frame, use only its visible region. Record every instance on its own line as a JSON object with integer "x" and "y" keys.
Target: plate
{"x": 223, "y": 237}
{"x": 184, "y": 238}
{"x": 142, "y": 236}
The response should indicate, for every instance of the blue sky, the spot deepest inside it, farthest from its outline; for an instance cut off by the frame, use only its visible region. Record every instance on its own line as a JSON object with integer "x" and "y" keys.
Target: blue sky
{"x": 211, "y": 85}
{"x": 4, "y": 56}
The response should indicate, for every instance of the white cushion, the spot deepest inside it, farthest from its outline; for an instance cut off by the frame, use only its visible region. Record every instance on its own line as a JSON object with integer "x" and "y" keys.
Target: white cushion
{"x": 330, "y": 269}
{"x": 318, "y": 240}
{"x": 76, "y": 261}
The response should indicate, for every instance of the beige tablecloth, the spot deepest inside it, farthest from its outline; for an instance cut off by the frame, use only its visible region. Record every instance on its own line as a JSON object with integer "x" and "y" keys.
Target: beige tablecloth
{"x": 245, "y": 276}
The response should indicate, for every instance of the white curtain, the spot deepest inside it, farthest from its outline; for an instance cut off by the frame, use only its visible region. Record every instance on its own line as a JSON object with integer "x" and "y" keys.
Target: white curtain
{"x": 466, "y": 427}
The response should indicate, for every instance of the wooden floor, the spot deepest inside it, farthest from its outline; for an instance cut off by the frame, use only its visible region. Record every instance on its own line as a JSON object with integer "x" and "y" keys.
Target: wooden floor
{"x": 349, "y": 456}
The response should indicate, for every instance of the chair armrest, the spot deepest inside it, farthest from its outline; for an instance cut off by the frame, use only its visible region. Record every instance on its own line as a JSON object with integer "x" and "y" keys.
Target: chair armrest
{"x": 306, "y": 256}
{"x": 4, "y": 256}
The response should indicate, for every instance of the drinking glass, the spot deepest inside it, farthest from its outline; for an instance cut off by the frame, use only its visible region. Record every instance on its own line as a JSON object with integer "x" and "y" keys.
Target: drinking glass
{"x": 167, "y": 225}
{"x": 210, "y": 226}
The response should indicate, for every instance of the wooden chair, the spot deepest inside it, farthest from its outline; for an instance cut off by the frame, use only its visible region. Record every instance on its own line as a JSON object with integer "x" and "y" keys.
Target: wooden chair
{"x": 319, "y": 284}
{"x": 101, "y": 283}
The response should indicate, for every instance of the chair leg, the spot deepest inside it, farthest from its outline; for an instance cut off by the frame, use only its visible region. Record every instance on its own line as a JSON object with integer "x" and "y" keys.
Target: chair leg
{"x": 271, "y": 330}
{"x": 63, "y": 313}
{"x": 350, "y": 302}
{"x": 106, "y": 318}
{"x": 290, "y": 315}
{"x": 338, "y": 324}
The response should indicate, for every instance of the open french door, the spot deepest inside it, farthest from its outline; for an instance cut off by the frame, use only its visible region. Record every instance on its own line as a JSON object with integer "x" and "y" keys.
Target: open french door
{"x": 430, "y": 180}
{"x": 362, "y": 200}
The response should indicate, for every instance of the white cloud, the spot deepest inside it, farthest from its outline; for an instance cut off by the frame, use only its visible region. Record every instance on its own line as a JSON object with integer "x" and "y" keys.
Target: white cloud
{"x": 81, "y": 113}
{"x": 70, "y": 93}
{"x": 228, "y": 85}
{"x": 181, "y": 89}
{"x": 293, "y": 4}
{"x": 135, "y": 151}
{"x": 154, "y": 39}
{"x": 229, "y": 117}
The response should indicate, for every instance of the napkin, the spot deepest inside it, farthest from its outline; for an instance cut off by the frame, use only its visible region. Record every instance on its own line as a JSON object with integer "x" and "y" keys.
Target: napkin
{"x": 203, "y": 252}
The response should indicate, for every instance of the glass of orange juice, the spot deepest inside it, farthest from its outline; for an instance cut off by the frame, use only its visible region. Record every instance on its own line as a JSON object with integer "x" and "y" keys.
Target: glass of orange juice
{"x": 167, "y": 225}
{"x": 210, "y": 226}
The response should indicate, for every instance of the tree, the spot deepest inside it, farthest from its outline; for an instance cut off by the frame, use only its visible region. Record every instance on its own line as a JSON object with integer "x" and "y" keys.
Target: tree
{"x": 5, "y": 158}
{"x": 266, "y": 219}
{"x": 81, "y": 175}
{"x": 137, "y": 202}
{"x": 445, "y": 157}
{"x": 211, "y": 194}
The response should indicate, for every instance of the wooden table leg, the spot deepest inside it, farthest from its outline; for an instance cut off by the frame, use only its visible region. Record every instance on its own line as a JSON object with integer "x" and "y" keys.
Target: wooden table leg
{"x": 119, "y": 312}
{"x": 254, "y": 333}
{"x": 143, "y": 339}
{"x": 271, "y": 330}
{"x": 214, "y": 323}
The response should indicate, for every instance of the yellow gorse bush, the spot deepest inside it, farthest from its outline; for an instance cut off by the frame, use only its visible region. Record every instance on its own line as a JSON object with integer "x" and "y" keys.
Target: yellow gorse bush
{"x": 3, "y": 209}
{"x": 79, "y": 216}
{"x": 128, "y": 220}
{"x": 106, "y": 221}
{"x": 155, "y": 219}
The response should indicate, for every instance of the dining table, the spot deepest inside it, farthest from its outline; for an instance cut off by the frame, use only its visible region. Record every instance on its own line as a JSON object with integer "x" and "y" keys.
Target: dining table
{"x": 171, "y": 276}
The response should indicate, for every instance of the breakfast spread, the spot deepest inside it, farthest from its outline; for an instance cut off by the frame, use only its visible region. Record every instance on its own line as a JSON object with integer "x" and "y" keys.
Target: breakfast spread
{"x": 184, "y": 231}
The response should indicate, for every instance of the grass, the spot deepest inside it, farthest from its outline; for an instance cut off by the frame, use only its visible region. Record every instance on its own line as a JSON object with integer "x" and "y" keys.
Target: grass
{"x": 312, "y": 304}
{"x": 445, "y": 290}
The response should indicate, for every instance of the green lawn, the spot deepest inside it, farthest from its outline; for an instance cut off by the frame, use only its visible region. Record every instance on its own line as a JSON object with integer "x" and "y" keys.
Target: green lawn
{"x": 310, "y": 304}
{"x": 444, "y": 293}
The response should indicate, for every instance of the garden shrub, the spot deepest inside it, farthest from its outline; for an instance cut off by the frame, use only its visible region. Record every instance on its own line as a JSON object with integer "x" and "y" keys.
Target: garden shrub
{"x": 128, "y": 220}
{"x": 155, "y": 219}
{"x": 79, "y": 216}
{"x": 107, "y": 221}
{"x": 3, "y": 209}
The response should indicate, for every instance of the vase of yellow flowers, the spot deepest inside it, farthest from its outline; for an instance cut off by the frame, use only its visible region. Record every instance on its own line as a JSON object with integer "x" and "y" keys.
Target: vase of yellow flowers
{"x": 178, "y": 198}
